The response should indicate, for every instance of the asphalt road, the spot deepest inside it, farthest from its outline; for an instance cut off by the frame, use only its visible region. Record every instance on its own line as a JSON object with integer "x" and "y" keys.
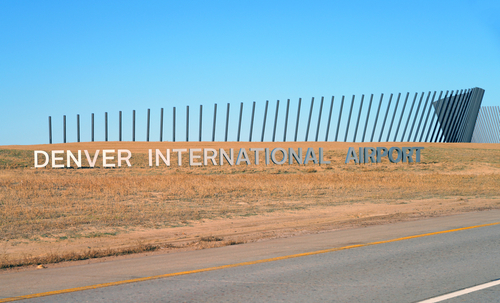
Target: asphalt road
{"x": 407, "y": 270}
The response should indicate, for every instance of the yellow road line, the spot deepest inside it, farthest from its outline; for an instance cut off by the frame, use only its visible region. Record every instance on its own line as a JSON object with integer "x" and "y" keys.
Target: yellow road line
{"x": 69, "y": 290}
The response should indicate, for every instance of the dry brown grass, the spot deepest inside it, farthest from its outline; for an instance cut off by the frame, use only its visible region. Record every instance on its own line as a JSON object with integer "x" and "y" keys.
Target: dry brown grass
{"x": 56, "y": 257}
{"x": 64, "y": 204}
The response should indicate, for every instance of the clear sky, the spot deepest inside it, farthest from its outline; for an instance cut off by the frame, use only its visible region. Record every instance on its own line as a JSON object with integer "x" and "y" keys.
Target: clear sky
{"x": 81, "y": 57}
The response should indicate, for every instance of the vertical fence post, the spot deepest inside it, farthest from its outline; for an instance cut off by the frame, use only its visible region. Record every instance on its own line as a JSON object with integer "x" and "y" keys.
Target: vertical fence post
{"x": 409, "y": 117}
{"x": 466, "y": 114}
{"x": 496, "y": 116}
{"x": 427, "y": 116}
{"x": 297, "y": 122}
{"x": 492, "y": 119}
{"x": 494, "y": 138}
{"x": 120, "y": 125}
{"x": 319, "y": 118}
{"x": 161, "y": 125}
{"x": 367, "y": 117}
{"x": 50, "y": 130}
{"x": 493, "y": 122}
{"x": 106, "y": 126}
{"x": 286, "y": 119}
{"x": 421, "y": 117}
{"x": 376, "y": 117}
{"x": 393, "y": 116}
{"x": 173, "y": 124}
{"x": 340, "y": 117}
{"x": 309, "y": 120}
{"x": 215, "y": 119}
{"x": 482, "y": 126}
{"x": 452, "y": 119}
{"x": 447, "y": 115}
{"x": 477, "y": 135}
{"x": 359, "y": 117}
{"x": 475, "y": 103}
{"x": 469, "y": 117}
{"x": 385, "y": 119}
{"x": 329, "y": 120}
{"x": 349, "y": 119}
{"x": 487, "y": 134}
{"x": 276, "y": 119}
{"x": 460, "y": 121}
{"x": 133, "y": 125}
{"x": 487, "y": 124}
{"x": 433, "y": 116}
{"x": 201, "y": 123}
{"x": 147, "y": 131}
{"x": 239, "y": 123}
{"x": 251, "y": 123}
{"x": 483, "y": 131}
{"x": 187, "y": 123}
{"x": 401, "y": 118}
{"x": 78, "y": 128}
{"x": 227, "y": 122}
{"x": 64, "y": 128}
{"x": 415, "y": 118}
{"x": 439, "y": 112}
{"x": 92, "y": 128}
{"x": 484, "y": 138}
{"x": 264, "y": 123}
{"x": 439, "y": 135}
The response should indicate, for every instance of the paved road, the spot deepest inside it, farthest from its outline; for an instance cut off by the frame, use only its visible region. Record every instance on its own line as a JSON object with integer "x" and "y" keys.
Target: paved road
{"x": 410, "y": 270}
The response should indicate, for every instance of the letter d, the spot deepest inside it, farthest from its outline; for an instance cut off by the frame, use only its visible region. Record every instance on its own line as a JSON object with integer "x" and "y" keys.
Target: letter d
{"x": 36, "y": 158}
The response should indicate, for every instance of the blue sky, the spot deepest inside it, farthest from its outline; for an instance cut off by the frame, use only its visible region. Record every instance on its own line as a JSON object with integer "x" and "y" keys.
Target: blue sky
{"x": 81, "y": 57}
